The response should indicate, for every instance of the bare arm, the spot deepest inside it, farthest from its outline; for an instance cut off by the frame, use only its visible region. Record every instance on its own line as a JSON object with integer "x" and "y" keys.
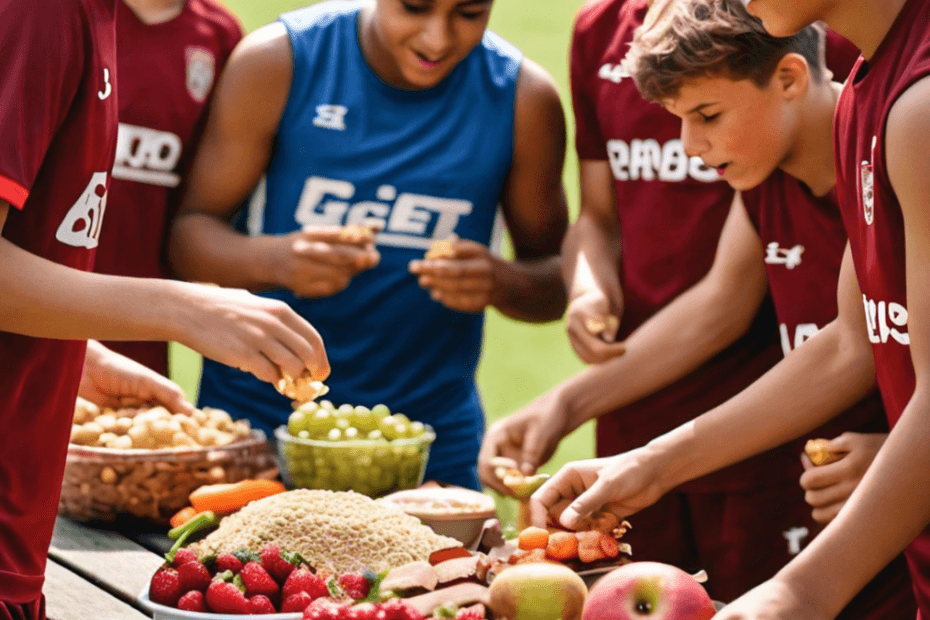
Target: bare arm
{"x": 591, "y": 263}
{"x": 530, "y": 287}
{"x": 697, "y": 325}
{"x": 46, "y": 300}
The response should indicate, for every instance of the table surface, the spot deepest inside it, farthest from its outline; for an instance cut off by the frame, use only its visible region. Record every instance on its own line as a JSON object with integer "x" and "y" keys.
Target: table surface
{"x": 97, "y": 573}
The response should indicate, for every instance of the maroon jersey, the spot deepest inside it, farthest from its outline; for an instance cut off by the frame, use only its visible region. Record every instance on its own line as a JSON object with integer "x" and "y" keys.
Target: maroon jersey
{"x": 874, "y": 221}
{"x": 804, "y": 241}
{"x": 58, "y": 119}
{"x": 671, "y": 210}
{"x": 168, "y": 71}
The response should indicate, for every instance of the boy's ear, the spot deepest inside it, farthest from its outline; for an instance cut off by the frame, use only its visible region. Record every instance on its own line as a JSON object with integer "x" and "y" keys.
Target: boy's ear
{"x": 792, "y": 75}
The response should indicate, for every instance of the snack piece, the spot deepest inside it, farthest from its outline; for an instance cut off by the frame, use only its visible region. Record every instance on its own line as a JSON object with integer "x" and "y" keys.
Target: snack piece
{"x": 303, "y": 389}
{"x": 819, "y": 452}
{"x": 441, "y": 249}
{"x": 357, "y": 233}
{"x": 596, "y": 325}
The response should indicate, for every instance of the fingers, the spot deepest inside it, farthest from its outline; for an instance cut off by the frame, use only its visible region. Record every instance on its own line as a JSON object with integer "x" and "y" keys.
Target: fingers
{"x": 488, "y": 452}
{"x": 337, "y": 254}
{"x": 166, "y": 392}
{"x": 585, "y": 504}
{"x": 552, "y": 499}
{"x": 826, "y": 514}
{"x": 833, "y": 494}
{"x": 592, "y": 349}
{"x": 535, "y": 445}
{"x": 307, "y": 346}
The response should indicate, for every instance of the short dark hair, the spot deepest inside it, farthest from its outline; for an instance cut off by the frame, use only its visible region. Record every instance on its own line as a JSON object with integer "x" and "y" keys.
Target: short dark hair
{"x": 685, "y": 39}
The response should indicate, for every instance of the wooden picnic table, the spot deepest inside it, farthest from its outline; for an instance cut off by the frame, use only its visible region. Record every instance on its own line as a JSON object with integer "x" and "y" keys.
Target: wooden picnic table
{"x": 99, "y": 573}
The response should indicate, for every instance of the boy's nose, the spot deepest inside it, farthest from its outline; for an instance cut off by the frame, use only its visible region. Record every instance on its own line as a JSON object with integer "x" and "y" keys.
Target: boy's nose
{"x": 693, "y": 142}
{"x": 436, "y": 37}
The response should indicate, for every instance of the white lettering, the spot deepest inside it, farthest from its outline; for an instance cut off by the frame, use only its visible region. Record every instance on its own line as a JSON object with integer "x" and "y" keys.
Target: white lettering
{"x": 331, "y": 117}
{"x": 789, "y": 257}
{"x": 802, "y": 333}
{"x": 877, "y": 316}
{"x": 147, "y": 156}
{"x": 311, "y": 211}
{"x": 794, "y": 536}
{"x": 82, "y": 224}
{"x": 614, "y": 73}
{"x": 648, "y": 160}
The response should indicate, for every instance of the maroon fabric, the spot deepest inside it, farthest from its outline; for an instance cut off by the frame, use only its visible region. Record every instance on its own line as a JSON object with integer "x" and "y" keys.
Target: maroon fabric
{"x": 58, "y": 116}
{"x": 874, "y": 221}
{"x": 167, "y": 73}
{"x": 33, "y": 610}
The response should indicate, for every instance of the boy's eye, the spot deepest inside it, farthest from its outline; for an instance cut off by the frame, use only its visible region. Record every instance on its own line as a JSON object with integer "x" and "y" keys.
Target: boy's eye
{"x": 414, "y": 8}
{"x": 471, "y": 15}
{"x": 708, "y": 117}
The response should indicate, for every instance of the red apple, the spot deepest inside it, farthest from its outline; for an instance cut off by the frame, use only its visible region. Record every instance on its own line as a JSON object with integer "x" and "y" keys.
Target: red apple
{"x": 647, "y": 591}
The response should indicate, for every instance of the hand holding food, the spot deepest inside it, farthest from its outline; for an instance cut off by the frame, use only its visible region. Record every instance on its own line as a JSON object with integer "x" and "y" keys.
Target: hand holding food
{"x": 459, "y": 273}
{"x": 113, "y": 380}
{"x": 526, "y": 439}
{"x": 592, "y": 327}
{"x": 835, "y": 469}
{"x": 621, "y": 485}
{"x": 320, "y": 261}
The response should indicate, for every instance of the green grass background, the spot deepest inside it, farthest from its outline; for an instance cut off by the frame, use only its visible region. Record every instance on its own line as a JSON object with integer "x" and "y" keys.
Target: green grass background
{"x": 519, "y": 361}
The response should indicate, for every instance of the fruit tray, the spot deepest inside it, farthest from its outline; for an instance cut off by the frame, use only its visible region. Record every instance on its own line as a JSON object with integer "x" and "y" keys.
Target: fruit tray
{"x": 162, "y": 612}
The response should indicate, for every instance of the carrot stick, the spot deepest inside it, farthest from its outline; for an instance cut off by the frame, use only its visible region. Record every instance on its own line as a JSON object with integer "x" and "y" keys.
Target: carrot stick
{"x": 183, "y": 516}
{"x": 231, "y": 497}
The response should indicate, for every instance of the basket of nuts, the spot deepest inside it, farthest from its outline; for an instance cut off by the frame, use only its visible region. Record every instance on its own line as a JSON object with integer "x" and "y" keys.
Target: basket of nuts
{"x": 143, "y": 463}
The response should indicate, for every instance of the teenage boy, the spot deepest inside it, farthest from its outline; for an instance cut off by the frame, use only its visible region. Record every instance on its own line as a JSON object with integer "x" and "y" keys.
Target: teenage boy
{"x": 744, "y": 112}
{"x": 169, "y": 54}
{"x": 642, "y": 193}
{"x": 58, "y": 119}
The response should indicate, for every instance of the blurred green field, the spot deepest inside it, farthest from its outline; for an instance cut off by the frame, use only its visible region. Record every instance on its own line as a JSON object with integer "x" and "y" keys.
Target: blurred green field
{"x": 520, "y": 361}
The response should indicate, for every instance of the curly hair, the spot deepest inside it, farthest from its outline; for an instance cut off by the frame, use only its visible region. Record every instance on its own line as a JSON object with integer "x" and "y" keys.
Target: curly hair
{"x": 685, "y": 39}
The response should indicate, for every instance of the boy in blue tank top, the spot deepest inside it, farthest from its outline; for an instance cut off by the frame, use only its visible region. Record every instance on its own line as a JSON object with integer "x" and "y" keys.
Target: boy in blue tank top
{"x": 408, "y": 116}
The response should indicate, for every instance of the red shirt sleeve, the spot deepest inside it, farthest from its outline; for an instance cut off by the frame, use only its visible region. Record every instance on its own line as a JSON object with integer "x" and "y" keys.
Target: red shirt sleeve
{"x": 38, "y": 81}
{"x": 589, "y": 142}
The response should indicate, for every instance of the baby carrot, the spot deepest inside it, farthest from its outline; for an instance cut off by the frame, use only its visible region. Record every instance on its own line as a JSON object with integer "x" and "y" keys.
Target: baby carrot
{"x": 533, "y": 538}
{"x": 231, "y": 497}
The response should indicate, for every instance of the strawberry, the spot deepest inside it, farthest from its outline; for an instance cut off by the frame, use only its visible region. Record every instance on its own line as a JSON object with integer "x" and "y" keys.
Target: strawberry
{"x": 609, "y": 545}
{"x": 363, "y": 611}
{"x": 355, "y": 585}
{"x": 165, "y": 588}
{"x": 396, "y": 609}
{"x": 280, "y": 564}
{"x": 302, "y": 580}
{"x": 228, "y": 561}
{"x": 321, "y": 609}
{"x": 193, "y": 576}
{"x": 260, "y": 604}
{"x": 296, "y": 602}
{"x": 193, "y": 601}
{"x": 475, "y": 612}
{"x": 245, "y": 556}
{"x": 226, "y": 598}
{"x": 183, "y": 556}
{"x": 258, "y": 582}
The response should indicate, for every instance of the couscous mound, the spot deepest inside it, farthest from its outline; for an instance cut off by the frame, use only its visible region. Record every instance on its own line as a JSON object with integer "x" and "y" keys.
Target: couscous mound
{"x": 339, "y": 531}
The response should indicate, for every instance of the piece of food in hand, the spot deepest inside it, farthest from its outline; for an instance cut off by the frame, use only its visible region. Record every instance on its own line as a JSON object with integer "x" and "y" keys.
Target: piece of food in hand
{"x": 441, "y": 249}
{"x": 819, "y": 452}
{"x": 357, "y": 233}
{"x": 595, "y": 325}
{"x": 303, "y": 389}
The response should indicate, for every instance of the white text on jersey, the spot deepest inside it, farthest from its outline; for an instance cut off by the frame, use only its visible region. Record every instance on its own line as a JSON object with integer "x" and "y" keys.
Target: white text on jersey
{"x": 802, "y": 332}
{"x": 877, "y": 316}
{"x": 331, "y": 117}
{"x": 614, "y": 73}
{"x": 147, "y": 156}
{"x": 81, "y": 226}
{"x": 789, "y": 257}
{"x": 412, "y": 221}
{"x": 648, "y": 160}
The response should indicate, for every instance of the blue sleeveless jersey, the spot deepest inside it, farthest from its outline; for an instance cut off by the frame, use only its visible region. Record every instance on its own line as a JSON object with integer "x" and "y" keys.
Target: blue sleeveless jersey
{"x": 426, "y": 164}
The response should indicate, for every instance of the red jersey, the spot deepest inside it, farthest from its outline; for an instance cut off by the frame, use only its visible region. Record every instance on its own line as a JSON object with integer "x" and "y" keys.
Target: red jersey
{"x": 58, "y": 117}
{"x": 804, "y": 241}
{"x": 167, "y": 75}
{"x": 874, "y": 221}
{"x": 671, "y": 210}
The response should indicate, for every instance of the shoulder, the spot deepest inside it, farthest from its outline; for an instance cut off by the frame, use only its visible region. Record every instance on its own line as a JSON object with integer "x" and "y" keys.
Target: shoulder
{"x": 217, "y": 15}
{"x": 538, "y": 105}
{"x": 261, "y": 61}
{"x": 321, "y": 15}
{"x": 907, "y": 129}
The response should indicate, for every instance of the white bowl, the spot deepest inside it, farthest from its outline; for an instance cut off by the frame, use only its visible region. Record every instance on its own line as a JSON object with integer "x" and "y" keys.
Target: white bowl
{"x": 454, "y": 512}
{"x": 162, "y": 612}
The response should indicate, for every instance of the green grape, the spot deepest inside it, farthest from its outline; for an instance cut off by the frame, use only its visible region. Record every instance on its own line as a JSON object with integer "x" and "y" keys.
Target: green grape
{"x": 309, "y": 407}
{"x": 342, "y": 423}
{"x": 345, "y": 410}
{"x": 327, "y": 404}
{"x": 399, "y": 417}
{"x": 380, "y": 411}
{"x": 295, "y": 422}
{"x": 350, "y": 433}
{"x": 363, "y": 419}
{"x": 375, "y": 435}
{"x": 304, "y": 434}
{"x": 334, "y": 434}
{"x": 401, "y": 429}
{"x": 416, "y": 429}
{"x": 387, "y": 428}
{"x": 320, "y": 422}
